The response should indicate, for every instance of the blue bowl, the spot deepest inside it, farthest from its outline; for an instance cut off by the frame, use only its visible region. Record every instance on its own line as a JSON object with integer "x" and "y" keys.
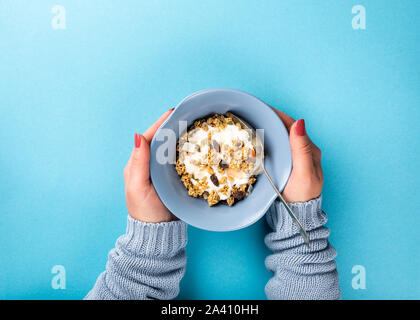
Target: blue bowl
{"x": 278, "y": 161}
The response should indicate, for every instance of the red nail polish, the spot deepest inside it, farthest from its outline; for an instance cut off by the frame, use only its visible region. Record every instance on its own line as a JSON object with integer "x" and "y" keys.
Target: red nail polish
{"x": 300, "y": 127}
{"x": 137, "y": 140}
{"x": 172, "y": 109}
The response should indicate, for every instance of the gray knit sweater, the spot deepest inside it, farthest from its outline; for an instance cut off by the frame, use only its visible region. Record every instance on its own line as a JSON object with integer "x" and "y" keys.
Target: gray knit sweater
{"x": 148, "y": 262}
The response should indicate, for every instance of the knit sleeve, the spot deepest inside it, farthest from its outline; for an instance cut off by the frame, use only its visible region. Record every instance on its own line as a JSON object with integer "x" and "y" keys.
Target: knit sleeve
{"x": 300, "y": 272}
{"x": 148, "y": 262}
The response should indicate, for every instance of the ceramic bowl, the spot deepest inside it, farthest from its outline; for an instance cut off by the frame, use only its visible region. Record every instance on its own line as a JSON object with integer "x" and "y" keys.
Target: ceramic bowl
{"x": 195, "y": 211}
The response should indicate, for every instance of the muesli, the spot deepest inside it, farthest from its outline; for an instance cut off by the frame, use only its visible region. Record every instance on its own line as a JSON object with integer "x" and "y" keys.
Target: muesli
{"x": 215, "y": 160}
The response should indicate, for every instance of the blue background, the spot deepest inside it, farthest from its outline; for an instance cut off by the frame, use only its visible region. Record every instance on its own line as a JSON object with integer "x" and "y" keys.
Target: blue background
{"x": 71, "y": 100}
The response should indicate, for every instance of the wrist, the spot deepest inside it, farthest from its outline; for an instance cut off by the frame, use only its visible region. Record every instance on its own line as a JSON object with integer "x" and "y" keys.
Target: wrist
{"x": 154, "y": 219}
{"x": 152, "y": 215}
{"x": 309, "y": 214}
{"x": 154, "y": 238}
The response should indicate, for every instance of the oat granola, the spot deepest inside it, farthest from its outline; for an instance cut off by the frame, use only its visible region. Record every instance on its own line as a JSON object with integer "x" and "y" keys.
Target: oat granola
{"x": 215, "y": 160}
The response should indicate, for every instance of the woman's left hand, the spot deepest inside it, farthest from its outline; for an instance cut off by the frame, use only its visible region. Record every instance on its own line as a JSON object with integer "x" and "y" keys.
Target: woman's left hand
{"x": 306, "y": 180}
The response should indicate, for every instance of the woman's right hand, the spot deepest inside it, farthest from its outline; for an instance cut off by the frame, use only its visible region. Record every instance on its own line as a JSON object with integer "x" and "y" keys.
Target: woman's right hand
{"x": 142, "y": 200}
{"x": 306, "y": 180}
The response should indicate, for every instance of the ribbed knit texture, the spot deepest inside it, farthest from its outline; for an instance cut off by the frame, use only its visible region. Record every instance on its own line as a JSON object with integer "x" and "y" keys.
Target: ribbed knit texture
{"x": 300, "y": 272}
{"x": 148, "y": 262}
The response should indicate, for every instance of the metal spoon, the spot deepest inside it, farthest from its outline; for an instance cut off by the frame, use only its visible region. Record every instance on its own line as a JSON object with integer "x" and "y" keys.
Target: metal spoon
{"x": 260, "y": 155}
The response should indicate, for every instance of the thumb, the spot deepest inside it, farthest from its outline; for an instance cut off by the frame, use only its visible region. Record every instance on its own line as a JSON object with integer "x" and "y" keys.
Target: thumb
{"x": 139, "y": 161}
{"x": 301, "y": 148}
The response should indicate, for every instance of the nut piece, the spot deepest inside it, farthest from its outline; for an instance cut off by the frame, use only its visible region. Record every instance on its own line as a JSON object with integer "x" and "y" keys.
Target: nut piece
{"x": 224, "y": 190}
{"x": 238, "y": 195}
{"x": 215, "y": 146}
{"x": 214, "y": 179}
{"x": 213, "y": 198}
{"x": 230, "y": 201}
{"x": 223, "y": 180}
{"x": 251, "y": 180}
{"x": 223, "y": 165}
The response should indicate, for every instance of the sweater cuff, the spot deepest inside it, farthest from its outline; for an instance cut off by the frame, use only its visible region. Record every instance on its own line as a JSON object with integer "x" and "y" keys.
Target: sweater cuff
{"x": 309, "y": 214}
{"x": 154, "y": 239}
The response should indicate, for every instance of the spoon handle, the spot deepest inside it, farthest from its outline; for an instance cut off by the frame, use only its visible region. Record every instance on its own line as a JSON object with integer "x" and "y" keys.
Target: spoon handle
{"x": 289, "y": 210}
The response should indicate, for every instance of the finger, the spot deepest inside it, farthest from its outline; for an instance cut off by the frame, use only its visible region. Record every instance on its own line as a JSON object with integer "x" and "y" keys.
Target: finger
{"x": 287, "y": 120}
{"x": 316, "y": 154}
{"x": 149, "y": 133}
{"x": 301, "y": 147}
{"x": 138, "y": 165}
{"x": 318, "y": 170}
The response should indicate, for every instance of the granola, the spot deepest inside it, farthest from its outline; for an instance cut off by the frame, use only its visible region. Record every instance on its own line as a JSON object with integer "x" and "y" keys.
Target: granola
{"x": 215, "y": 160}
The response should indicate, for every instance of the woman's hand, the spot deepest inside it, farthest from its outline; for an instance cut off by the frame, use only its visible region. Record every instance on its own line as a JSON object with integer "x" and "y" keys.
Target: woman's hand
{"x": 142, "y": 201}
{"x": 306, "y": 179}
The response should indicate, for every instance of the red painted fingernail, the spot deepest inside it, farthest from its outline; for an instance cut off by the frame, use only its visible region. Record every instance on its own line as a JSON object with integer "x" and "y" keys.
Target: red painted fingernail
{"x": 300, "y": 127}
{"x": 172, "y": 109}
{"x": 137, "y": 140}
